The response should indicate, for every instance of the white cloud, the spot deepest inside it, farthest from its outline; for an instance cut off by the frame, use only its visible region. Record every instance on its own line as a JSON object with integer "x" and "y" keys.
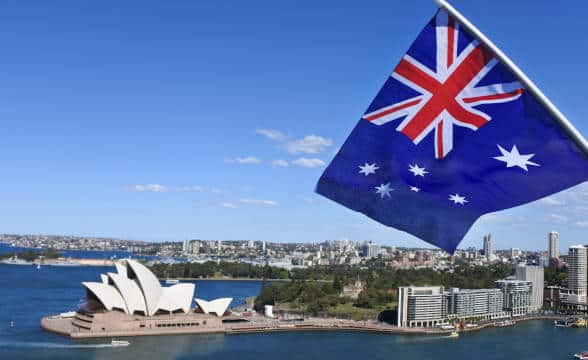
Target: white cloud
{"x": 227, "y": 205}
{"x": 272, "y": 134}
{"x": 280, "y": 163}
{"x": 309, "y": 163}
{"x": 148, "y": 187}
{"x": 244, "y": 160}
{"x": 558, "y": 219}
{"x": 582, "y": 223}
{"x": 310, "y": 144}
{"x": 192, "y": 188}
{"x": 261, "y": 202}
{"x": 552, "y": 201}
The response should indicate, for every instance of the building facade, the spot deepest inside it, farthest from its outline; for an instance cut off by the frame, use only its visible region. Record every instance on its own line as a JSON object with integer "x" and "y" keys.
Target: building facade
{"x": 534, "y": 274}
{"x": 421, "y": 306}
{"x": 577, "y": 269}
{"x": 553, "y": 245}
{"x": 516, "y": 296}
{"x": 483, "y": 304}
{"x": 488, "y": 246}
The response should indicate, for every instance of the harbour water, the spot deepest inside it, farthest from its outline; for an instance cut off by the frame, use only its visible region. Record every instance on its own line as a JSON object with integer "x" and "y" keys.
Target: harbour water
{"x": 27, "y": 293}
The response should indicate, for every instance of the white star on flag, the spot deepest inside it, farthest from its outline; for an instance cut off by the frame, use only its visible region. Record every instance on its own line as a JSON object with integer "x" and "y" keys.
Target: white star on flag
{"x": 384, "y": 190}
{"x": 368, "y": 169}
{"x": 417, "y": 171}
{"x": 457, "y": 199}
{"x": 415, "y": 189}
{"x": 514, "y": 158}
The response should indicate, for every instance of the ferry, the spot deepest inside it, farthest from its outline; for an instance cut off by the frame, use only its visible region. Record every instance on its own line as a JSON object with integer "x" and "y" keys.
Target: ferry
{"x": 172, "y": 281}
{"x": 117, "y": 343}
{"x": 581, "y": 355}
{"x": 505, "y": 323}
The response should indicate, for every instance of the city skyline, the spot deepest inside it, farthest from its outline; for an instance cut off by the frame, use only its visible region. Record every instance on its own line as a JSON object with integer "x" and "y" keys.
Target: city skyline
{"x": 148, "y": 129}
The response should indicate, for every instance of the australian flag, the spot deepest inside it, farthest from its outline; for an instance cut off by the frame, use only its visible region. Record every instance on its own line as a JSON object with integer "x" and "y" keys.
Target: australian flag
{"x": 450, "y": 136}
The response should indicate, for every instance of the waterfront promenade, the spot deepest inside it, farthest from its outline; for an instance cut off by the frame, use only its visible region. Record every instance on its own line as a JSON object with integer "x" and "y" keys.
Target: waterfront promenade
{"x": 261, "y": 324}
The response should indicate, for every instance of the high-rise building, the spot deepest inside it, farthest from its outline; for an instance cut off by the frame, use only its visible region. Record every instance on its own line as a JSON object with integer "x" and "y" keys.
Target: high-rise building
{"x": 517, "y": 296}
{"x": 534, "y": 274}
{"x": 195, "y": 247}
{"x": 263, "y": 246}
{"x": 553, "y": 245}
{"x": 370, "y": 250}
{"x": 250, "y": 244}
{"x": 185, "y": 246}
{"x": 470, "y": 303}
{"x": 577, "y": 268}
{"x": 488, "y": 246}
{"x": 420, "y": 306}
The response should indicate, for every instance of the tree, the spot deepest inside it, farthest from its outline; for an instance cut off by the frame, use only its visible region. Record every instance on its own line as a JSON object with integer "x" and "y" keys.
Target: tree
{"x": 265, "y": 297}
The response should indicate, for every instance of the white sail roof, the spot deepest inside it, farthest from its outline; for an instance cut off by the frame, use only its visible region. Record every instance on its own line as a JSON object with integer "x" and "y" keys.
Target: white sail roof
{"x": 176, "y": 297}
{"x": 134, "y": 288}
{"x": 217, "y": 306}
{"x": 149, "y": 285}
{"x": 130, "y": 292}
{"x": 107, "y": 294}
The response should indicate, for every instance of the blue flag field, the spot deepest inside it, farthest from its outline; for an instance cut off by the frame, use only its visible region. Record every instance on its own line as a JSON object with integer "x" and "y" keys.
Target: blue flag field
{"x": 451, "y": 135}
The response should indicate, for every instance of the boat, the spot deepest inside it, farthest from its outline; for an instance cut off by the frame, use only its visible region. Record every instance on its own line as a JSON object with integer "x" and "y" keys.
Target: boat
{"x": 117, "y": 343}
{"x": 15, "y": 261}
{"x": 581, "y": 355}
{"x": 505, "y": 323}
{"x": 172, "y": 281}
{"x": 38, "y": 266}
{"x": 454, "y": 334}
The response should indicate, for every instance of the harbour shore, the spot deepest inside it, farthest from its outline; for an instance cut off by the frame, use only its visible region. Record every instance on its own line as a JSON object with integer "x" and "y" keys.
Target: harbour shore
{"x": 260, "y": 324}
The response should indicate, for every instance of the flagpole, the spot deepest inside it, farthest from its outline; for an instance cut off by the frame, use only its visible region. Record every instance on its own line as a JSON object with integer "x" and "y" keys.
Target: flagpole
{"x": 529, "y": 85}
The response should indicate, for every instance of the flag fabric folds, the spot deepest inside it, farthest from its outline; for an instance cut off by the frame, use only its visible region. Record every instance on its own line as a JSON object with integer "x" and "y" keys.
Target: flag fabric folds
{"x": 450, "y": 136}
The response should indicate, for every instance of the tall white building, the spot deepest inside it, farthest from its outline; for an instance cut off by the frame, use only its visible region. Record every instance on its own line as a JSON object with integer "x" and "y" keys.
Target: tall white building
{"x": 577, "y": 268}
{"x": 517, "y": 296}
{"x": 479, "y": 303}
{"x": 488, "y": 246}
{"x": 553, "y": 245}
{"x": 185, "y": 246}
{"x": 370, "y": 249}
{"x": 534, "y": 274}
{"x": 420, "y": 306}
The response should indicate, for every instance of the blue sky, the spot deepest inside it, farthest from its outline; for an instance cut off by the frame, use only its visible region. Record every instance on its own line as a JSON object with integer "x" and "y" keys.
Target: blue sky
{"x": 164, "y": 121}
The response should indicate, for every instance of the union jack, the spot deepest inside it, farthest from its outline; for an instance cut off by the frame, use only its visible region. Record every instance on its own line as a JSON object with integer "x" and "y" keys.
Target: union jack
{"x": 448, "y": 94}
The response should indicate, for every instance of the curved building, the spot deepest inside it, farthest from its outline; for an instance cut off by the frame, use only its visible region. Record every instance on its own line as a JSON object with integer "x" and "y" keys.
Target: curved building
{"x": 217, "y": 307}
{"x": 135, "y": 290}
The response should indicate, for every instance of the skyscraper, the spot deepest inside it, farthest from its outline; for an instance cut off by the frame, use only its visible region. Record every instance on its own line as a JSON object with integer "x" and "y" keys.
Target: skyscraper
{"x": 553, "y": 246}
{"x": 577, "y": 271}
{"x": 534, "y": 274}
{"x": 488, "y": 246}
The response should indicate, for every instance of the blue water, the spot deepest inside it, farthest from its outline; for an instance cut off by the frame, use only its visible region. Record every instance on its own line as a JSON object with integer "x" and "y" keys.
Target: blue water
{"x": 27, "y": 294}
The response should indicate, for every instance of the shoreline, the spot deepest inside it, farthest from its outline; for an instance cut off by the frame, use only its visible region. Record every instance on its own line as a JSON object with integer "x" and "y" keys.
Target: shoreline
{"x": 260, "y": 325}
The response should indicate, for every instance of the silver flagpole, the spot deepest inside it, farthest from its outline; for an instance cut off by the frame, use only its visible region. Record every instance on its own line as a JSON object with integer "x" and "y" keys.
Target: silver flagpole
{"x": 529, "y": 85}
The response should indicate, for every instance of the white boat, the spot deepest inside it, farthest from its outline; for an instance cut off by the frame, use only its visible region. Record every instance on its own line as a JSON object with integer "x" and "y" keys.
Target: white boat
{"x": 15, "y": 261}
{"x": 454, "y": 334}
{"x": 172, "y": 281}
{"x": 581, "y": 355}
{"x": 117, "y": 343}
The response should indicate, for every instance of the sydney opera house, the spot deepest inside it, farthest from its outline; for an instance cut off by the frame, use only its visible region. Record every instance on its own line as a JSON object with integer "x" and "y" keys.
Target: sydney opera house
{"x": 132, "y": 302}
